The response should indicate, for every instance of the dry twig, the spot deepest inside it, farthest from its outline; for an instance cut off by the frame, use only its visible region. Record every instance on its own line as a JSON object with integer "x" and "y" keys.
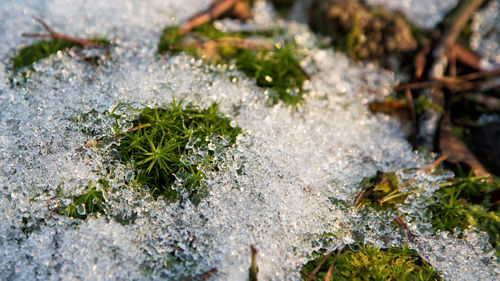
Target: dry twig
{"x": 55, "y": 35}
{"x": 241, "y": 43}
{"x": 317, "y": 268}
{"x": 212, "y": 13}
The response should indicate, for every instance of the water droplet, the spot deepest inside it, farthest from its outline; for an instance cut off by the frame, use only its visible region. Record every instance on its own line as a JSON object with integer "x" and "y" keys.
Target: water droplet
{"x": 80, "y": 209}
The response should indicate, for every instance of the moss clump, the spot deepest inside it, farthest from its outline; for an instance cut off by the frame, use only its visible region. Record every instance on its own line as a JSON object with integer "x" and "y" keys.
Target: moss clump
{"x": 380, "y": 191}
{"x": 277, "y": 69}
{"x": 42, "y": 49}
{"x": 90, "y": 202}
{"x": 171, "y": 147}
{"x": 32, "y": 53}
{"x": 468, "y": 201}
{"x": 371, "y": 263}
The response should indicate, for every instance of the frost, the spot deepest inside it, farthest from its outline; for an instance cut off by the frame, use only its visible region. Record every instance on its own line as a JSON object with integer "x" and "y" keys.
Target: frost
{"x": 291, "y": 176}
{"x": 485, "y": 37}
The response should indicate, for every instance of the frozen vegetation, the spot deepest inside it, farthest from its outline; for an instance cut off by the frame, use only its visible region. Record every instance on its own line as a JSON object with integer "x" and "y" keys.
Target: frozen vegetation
{"x": 290, "y": 177}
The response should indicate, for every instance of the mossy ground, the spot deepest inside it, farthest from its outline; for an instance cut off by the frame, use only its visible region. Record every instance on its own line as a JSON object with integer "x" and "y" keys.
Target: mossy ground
{"x": 468, "y": 201}
{"x": 170, "y": 148}
{"x": 370, "y": 263}
{"x": 42, "y": 49}
{"x": 90, "y": 202}
{"x": 381, "y": 191}
{"x": 39, "y": 50}
{"x": 277, "y": 68}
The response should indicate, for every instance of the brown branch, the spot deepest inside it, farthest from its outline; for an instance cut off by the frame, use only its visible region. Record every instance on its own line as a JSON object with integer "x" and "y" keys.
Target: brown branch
{"x": 429, "y": 120}
{"x": 212, "y": 13}
{"x": 55, "y": 35}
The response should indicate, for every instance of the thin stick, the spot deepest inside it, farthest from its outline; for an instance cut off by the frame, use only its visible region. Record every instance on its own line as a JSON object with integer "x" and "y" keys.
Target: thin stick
{"x": 411, "y": 105}
{"x": 55, "y": 35}
{"x": 212, "y": 13}
{"x": 304, "y": 273}
{"x": 434, "y": 164}
{"x": 317, "y": 268}
{"x": 405, "y": 228}
{"x": 97, "y": 139}
{"x": 236, "y": 42}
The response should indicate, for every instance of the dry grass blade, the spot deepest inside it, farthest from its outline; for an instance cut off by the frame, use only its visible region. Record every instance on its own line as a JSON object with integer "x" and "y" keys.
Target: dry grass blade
{"x": 328, "y": 275}
{"x": 98, "y": 139}
{"x": 361, "y": 197}
{"x": 55, "y": 35}
{"x": 405, "y": 228}
{"x": 419, "y": 62}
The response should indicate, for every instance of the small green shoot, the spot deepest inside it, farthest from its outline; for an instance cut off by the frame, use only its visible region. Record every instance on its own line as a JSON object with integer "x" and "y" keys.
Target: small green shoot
{"x": 468, "y": 201}
{"x": 381, "y": 191}
{"x": 91, "y": 202}
{"x": 171, "y": 148}
{"x": 369, "y": 263}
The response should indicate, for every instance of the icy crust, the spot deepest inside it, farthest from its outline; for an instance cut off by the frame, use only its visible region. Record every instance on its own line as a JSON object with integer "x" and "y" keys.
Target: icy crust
{"x": 485, "y": 38}
{"x": 424, "y": 13}
{"x": 290, "y": 178}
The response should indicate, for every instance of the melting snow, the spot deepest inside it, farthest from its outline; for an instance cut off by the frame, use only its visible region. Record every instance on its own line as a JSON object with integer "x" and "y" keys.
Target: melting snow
{"x": 279, "y": 188}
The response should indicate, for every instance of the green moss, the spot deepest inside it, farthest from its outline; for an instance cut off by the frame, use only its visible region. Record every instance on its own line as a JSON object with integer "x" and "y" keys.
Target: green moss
{"x": 170, "y": 37}
{"x": 277, "y": 69}
{"x": 90, "y": 202}
{"x": 380, "y": 191}
{"x": 468, "y": 201}
{"x": 171, "y": 147}
{"x": 371, "y": 263}
{"x": 42, "y": 49}
{"x": 39, "y": 50}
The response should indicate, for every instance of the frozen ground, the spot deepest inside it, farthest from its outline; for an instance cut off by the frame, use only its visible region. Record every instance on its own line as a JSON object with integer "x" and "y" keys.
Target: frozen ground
{"x": 279, "y": 187}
